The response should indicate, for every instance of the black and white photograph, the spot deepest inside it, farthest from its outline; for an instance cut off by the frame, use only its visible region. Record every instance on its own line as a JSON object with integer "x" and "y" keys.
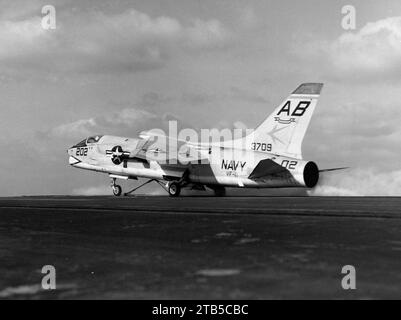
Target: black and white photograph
{"x": 199, "y": 155}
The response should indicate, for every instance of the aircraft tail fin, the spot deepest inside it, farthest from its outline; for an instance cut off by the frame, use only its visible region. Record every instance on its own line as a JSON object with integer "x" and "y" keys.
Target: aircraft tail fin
{"x": 285, "y": 128}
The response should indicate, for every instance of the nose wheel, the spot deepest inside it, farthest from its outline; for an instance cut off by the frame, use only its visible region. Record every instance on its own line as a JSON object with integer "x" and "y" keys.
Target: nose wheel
{"x": 117, "y": 190}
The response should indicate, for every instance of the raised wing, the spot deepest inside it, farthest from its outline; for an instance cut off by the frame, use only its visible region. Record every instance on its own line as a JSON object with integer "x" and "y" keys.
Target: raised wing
{"x": 170, "y": 151}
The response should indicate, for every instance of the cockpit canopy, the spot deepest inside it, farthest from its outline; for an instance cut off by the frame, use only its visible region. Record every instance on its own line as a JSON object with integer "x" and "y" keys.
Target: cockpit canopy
{"x": 85, "y": 142}
{"x": 93, "y": 139}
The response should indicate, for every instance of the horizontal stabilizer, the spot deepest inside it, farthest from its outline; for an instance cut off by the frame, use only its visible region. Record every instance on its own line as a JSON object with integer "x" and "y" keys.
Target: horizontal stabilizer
{"x": 333, "y": 169}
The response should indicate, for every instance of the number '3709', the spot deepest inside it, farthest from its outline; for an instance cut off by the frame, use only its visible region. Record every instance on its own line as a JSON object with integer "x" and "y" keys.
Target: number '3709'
{"x": 261, "y": 146}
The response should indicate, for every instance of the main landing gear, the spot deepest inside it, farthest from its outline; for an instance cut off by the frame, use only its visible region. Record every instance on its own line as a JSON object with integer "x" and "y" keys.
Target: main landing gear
{"x": 174, "y": 189}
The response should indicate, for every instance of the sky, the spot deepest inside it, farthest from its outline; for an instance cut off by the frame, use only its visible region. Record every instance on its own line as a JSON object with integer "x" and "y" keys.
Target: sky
{"x": 121, "y": 67}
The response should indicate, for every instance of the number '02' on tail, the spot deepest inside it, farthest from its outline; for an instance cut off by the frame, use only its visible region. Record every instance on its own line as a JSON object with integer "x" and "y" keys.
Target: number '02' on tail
{"x": 285, "y": 128}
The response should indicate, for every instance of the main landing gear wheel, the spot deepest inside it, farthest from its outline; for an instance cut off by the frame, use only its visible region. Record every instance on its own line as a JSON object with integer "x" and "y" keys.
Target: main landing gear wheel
{"x": 117, "y": 190}
{"x": 174, "y": 189}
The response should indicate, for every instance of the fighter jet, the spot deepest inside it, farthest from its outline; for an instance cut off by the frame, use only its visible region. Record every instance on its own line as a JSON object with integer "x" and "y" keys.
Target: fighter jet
{"x": 268, "y": 157}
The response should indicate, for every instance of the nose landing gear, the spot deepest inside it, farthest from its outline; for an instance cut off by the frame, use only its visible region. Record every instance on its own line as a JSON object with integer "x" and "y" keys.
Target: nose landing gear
{"x": 117, "y": 190}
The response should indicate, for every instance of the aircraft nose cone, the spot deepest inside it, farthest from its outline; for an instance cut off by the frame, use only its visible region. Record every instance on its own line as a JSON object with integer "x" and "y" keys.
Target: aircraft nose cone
{"x": 72, "y": 161}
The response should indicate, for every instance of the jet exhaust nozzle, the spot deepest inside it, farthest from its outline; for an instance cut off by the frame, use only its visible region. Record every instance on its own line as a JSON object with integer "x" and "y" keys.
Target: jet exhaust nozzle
{"x": 311, "y": 174}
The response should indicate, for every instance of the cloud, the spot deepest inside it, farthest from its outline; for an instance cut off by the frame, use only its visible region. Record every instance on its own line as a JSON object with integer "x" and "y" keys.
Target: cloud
{"x": 207, "y": 34}
{"x": 79, "y": 128}
{"x": 360, "y": 134}
{"x": 246, "y": 95}
{"x": 21, "y": 38}
{"x": 374, "y": 50}
{"x": 98, "y": 42}
{"x": 359, "y": 182}
{"x": 127, "y": 119}
{"x": 248, "y": 18}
